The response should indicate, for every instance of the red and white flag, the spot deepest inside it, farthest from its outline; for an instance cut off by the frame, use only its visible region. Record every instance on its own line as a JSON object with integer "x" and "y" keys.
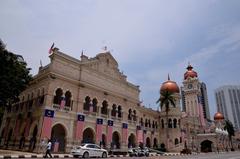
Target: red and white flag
{"x": 47, "y": 123}
{"x": 99, "y": 130}
{"x": 27, "y": 128}
{"x": 109, "y": 131}
{"x": 63, "y": 102}
{"x": 80, "y": 126}
{"x": 124, "y": 132}
{"x": 139, "y": 135}
{"x": 51, "y": 49}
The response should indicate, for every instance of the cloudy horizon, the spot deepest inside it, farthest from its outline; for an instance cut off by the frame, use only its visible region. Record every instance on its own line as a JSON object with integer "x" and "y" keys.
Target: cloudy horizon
{"x": 148, "y": 38}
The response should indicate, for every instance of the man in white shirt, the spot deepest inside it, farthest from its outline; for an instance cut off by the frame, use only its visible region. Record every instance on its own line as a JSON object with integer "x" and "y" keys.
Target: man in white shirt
{"x": 48, "y": 151}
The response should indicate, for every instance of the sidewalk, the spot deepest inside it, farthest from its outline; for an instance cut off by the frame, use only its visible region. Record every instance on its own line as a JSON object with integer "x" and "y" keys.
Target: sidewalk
{"x": 21, "y": 154}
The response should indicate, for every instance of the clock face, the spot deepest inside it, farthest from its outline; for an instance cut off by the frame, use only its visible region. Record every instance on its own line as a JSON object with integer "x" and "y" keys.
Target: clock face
{"x": 190, "y": 86}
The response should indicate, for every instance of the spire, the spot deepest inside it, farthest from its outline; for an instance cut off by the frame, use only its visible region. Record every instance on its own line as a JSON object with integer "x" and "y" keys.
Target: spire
{"x": 82, "y": 53}
{"x": 168, "y": 77}
{"x": 189, "y": 66}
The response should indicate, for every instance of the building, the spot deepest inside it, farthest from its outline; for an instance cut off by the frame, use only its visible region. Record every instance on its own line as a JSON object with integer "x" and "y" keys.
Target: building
{"x": 204, "y": 101}
{"x": 72, "y": 101}
{"x": 228, "y": 102}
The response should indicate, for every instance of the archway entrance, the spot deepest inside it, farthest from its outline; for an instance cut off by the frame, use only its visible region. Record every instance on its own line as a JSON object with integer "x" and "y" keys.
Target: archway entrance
{"x": 88, "y": 136}
{"x": 131, "y": 141}
{"x": 155, "y": 143}
{"x": 115, "y": 140}
{"x": 103, "y": 144}
{"x": 148, "y": 142}
{"x": 206, "y": 146}
{"x": 58, "y": 136}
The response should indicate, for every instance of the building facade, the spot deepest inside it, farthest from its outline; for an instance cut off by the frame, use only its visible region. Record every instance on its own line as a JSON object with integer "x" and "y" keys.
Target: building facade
{"x": 73, "y": 101}
{"x": 228, "y": 102}
{"x": 204, "y": 101}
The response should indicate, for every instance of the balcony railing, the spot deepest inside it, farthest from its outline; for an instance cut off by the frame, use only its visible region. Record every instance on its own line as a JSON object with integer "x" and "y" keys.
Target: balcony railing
{"x": 58, "y": 107}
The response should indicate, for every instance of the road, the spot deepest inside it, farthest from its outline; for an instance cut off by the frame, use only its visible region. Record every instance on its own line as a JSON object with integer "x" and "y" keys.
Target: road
{"x": 229, "y": 155}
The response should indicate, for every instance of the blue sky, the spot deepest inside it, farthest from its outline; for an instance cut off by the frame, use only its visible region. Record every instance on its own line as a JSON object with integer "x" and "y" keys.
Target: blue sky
{"x": 149, "y": 38}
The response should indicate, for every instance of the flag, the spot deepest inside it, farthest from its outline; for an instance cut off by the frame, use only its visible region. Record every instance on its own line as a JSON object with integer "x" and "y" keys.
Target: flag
{"x": 124, "y": 132}
{"x": 109, "y": 131}
{"x": 144, "y": 136}
{"x": 139, "y": 134}
{"x": 6, "y": 127}
{"x": 63, "y": 102}
{"x": 27, "y": 127}
{"x": 80, "y": 126}
{"x": 47, "y": 123}
{"x": 51, "y": 49}
{"x": 16, "y": 130}
{"x": 99, "y": 130}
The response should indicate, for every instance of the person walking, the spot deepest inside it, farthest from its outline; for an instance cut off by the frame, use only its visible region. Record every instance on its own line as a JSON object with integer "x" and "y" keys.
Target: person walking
{"x": 48, "y": 151}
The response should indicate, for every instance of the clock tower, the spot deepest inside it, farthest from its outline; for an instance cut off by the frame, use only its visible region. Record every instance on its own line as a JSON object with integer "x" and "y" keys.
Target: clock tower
{"x": 191, "y": 93}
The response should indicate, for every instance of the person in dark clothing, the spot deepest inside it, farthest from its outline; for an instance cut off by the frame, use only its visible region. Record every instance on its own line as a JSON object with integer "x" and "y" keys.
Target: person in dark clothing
{"x": 48, "y": 151}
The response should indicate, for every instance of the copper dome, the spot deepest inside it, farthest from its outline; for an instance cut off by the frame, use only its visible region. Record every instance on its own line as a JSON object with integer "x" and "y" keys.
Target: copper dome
{"x": 218, "y": 116}
{"x": 190, "y": 72}
{"x": 170, "y": 86}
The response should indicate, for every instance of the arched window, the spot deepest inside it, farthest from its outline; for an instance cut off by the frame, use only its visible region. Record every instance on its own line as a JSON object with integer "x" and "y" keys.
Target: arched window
{"x": 179, "y": 123}
{"x": 141, "y": 121}
{"x": 176, "y": 141}
{"x": 149, "y": 123}
{"x": 153, "y": 124}
{"x": 114, "y": 110}
{"x": 174, "y": 123}
{"x": 86, "y": 104}
{"x": 146, "y": 123}
{"x": 94, "y": 104}
{"x": 130, "y": 114}
{"x": 119, "y": 111}
{"x": 180, "y": 139}
{"x": 68, "y": 97}
{"x": 104, "y": 109}
{"x": 156, "y": 125}
{"x": 162, "y": 122}
{"x": 169, "y": 123}
{"x": 58, "y": 96}
{"x": 134, "y": 115}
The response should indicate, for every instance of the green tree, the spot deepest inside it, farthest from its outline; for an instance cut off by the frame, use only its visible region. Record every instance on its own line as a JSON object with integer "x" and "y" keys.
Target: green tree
{"x": 166, "y": 99}
{"x": 230, "y": 129}
{"x": 14, "y": 76}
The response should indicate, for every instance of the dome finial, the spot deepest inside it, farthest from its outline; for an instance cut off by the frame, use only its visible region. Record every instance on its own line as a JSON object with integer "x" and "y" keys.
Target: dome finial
{"x": 168, "y": 77}
{"x": 189, "y": 67}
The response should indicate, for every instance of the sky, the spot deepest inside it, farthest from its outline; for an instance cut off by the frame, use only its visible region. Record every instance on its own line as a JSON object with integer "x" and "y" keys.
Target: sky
{"x": 148, "y": 38}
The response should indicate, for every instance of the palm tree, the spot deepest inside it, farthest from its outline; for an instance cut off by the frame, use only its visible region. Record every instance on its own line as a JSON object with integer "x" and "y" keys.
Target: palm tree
{"x": 230, "y": 129}
{"x": 166, "y": 98}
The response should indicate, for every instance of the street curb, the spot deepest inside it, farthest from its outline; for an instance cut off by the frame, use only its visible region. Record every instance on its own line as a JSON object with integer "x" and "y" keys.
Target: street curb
{"x": 36, "y": 156}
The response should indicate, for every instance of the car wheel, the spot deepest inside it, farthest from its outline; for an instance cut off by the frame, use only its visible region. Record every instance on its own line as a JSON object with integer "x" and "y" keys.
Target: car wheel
{"x": 86, "y": 155}
{"x": 104, "y": 155}
{"x": 76, "y": 156}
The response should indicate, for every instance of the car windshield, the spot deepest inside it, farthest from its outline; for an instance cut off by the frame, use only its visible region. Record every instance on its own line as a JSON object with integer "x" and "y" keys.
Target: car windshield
{"x": 82, "y": 144}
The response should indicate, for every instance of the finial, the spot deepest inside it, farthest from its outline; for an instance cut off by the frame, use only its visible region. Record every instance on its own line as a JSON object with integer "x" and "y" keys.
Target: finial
{"x": 168, "y": 77}
{"x": 40, "y": 63}
{"x": 82, "y": 53}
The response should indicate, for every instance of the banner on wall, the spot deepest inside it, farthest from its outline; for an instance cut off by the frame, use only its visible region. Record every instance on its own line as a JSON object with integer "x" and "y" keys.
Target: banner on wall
{"x": 124, "y": 132}
{"x": 139, "y": 134}
{"x": 80, "y": 126}
{"x": 99, "y": 130}
{"x": 109, "y": 131}
{"x": 47, "y": 123}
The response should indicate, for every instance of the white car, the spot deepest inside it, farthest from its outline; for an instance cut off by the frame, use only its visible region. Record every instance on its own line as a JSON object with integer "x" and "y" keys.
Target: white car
{"x": 88, "y": 150}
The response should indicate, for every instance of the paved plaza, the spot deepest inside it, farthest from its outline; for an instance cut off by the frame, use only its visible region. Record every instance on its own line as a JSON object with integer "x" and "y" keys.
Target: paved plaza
{"x": 225, "y": 155}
